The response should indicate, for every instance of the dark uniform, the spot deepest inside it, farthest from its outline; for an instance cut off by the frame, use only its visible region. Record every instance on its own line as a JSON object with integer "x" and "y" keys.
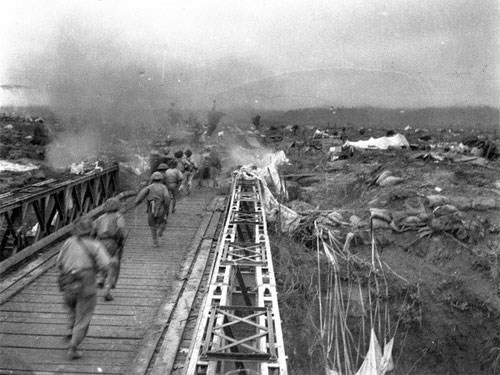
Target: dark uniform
{"x": 158, "y": 200}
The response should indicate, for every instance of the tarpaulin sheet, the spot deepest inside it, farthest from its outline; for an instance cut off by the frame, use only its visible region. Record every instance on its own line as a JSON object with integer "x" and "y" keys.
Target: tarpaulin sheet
{"x": 7, "y": 166}
{"x": 382, "y": 143}
{"x": 376, "y": 362}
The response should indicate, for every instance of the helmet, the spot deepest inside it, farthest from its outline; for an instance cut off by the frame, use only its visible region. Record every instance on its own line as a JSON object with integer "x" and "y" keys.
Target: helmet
{"x": 82, "y": 226}
{"x": 178, "y": 154}
{"x": 188, "y": 153}
{"x": 112, "y": 205}
{"x": 162, "y": 167}
{"x": 157, "y": 176}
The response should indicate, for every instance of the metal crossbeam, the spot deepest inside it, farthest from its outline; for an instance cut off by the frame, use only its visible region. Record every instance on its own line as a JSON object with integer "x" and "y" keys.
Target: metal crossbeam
{"x": 244, "y": 348}
{"x": 244, "y": 254}
{"x": 239, "y": 329}
{"x": 32, "y": 213}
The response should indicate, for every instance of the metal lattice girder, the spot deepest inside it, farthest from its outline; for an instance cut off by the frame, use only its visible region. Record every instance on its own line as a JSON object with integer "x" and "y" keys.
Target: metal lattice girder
{"x": 38, "y": 210}
{"x": 253, "y": 217}
{"x": 244, "y": 253}
{"x": 238, "y": 331}
{"x": 241, "y": 339}
{"x": 247, "y": 196}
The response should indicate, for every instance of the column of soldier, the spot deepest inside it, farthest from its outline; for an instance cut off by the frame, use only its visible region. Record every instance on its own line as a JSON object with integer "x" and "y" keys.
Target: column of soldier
{"x": 91, "y": 257}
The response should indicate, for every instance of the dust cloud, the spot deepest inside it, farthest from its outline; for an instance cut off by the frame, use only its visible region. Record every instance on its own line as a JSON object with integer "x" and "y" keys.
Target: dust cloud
{"x": 239, "y": 154}
{"x": 102, "y": 85}
{"x": 73, "y": 147}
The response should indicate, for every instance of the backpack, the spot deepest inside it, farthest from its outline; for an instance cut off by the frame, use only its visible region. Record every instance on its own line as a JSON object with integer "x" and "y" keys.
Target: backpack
{"x": 71, "y": 283}
{"x": 156, "y": 208}
{"x": 188, "y": 165}
{"x": 108, "y": 226}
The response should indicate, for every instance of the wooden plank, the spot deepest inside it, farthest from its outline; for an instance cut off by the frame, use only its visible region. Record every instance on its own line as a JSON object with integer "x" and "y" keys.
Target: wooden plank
{"x": 14, "y": 277}
{"x": 184, "y": 347}
{"x": 90, "y": 356}
{"x": 147, "y": 276}
{"x": 125, "y": 292}
{"x": 133, "y": 271}
{"x": 133, "y": 302}
{"x": 100, "y": 309}
{"x": 133, "y": 332}
{"x": 122, "y": 281}
{"x": 6, "y": 315}
{"x": 56, "y": 342}
{"x": 16, "y": 366}
{"x": 167, "y": 352}
{"x": 54, "y": 298}
{"x": 153, "y": 334}
{"x": 44, "y": 242}
{"x": 107, "y": 320}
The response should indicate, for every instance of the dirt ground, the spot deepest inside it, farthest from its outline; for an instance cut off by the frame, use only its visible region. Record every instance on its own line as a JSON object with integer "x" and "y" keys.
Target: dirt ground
{"x": 443, "y": 286}
{"x": 444, "y": 281}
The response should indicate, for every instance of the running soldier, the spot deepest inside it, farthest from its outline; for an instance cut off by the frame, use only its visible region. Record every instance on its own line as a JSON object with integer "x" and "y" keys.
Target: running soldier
{"x": 162, "y": 168}
{"x": 110, "y": 230}
{"x": 211, "y": 166}
{"x": 78, "y": 262}
{"x": 158, "y": 201}
{"x": 174, "y": 180}
{"x": 190, "y": 169}
{"x": 179, "y": 159}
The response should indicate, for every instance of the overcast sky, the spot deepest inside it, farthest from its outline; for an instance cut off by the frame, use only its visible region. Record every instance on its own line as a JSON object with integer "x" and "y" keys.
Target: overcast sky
{"x": 260, "y": 53}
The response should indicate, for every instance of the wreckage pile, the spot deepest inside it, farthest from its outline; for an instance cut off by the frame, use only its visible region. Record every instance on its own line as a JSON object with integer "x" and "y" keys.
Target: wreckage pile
{"x": 428, "y": 226}
{"x": 23, "y": 137}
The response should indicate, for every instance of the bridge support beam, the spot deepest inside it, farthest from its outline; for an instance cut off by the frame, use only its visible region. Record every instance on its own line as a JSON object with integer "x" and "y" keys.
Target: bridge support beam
{"x": 34, "y": 212}
{"x": 239, "y": 329}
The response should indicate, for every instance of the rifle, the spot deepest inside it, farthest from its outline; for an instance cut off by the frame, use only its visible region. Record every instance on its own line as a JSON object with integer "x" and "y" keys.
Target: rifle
{"x": 122, "y": 245}
{"x": 123, "y": 241}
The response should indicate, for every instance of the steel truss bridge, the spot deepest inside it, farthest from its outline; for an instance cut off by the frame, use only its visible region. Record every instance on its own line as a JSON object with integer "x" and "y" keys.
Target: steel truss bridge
{"x": 240, "y": 325}
{"x": 29, "y": 214}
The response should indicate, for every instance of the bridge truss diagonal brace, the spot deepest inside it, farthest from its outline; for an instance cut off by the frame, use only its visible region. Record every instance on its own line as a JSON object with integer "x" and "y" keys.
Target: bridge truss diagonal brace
{"x": 239, "y": 328}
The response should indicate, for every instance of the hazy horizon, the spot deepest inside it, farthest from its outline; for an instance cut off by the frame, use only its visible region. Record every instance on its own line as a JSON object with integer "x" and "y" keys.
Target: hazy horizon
{"x": 114, "y": 56}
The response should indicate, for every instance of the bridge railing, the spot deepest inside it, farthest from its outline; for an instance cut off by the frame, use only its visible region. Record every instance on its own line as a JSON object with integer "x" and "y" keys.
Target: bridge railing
{"x": 32, "y": 213}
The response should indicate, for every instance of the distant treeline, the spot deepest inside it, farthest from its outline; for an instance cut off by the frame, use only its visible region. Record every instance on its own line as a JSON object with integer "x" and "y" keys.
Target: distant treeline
{"x": 486, "y": 118}
{"x": 32, "y": 111}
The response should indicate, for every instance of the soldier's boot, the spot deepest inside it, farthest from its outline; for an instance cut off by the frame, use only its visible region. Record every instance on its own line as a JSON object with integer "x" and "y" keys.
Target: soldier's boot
{"x": 155, "y": 238}
{"x": 73, "y": 353}
{"x": 107, "y": 295}
{"x": 101, "y": 276}
{"x": 161, "y": 229}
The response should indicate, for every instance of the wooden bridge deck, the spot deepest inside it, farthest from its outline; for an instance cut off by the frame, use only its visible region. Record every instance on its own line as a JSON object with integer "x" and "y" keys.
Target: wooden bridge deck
{"x": 125, "y": 332}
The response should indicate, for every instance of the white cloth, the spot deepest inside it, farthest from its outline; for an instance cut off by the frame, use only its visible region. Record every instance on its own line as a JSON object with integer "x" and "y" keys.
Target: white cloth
{"x": 382, "y": 143}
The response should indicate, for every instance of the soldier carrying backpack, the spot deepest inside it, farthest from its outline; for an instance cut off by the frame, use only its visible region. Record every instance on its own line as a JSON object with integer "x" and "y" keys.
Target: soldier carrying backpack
{"x": 78, "y": 262}
{"x": 158, "y": 201}
{"x": 110, "y": 230}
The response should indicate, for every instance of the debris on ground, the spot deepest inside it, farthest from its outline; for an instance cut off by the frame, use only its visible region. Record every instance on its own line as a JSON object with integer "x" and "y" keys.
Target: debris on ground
{"x": 382, "y": 143}
{"x": 431, "y": 203}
